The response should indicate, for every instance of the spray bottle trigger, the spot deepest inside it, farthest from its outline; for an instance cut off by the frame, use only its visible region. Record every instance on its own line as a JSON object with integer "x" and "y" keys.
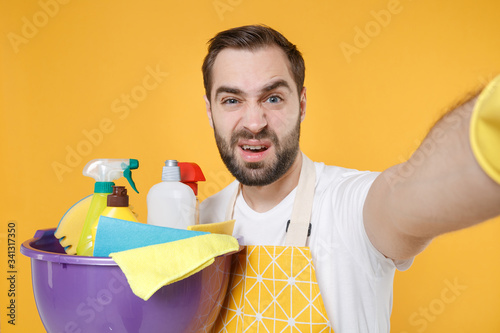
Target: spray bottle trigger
{"x": 127, "y": 173}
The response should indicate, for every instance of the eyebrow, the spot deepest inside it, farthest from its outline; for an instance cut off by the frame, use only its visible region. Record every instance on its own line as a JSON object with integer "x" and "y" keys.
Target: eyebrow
{"x": 226, "y": 89}
{"x": 275, "y": 85}
{"x": 236, "y": 91}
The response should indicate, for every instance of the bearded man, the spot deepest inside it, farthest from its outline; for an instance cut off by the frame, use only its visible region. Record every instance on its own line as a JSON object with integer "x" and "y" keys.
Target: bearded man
{"x": 323, "y": 242}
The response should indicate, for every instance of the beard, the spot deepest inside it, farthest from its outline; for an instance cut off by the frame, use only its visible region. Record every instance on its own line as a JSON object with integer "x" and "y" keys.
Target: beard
{"x": 260, "y": 173}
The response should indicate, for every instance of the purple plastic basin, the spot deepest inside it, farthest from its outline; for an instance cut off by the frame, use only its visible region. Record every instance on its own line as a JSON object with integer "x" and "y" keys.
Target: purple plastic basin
{"x": 90, "y": 294}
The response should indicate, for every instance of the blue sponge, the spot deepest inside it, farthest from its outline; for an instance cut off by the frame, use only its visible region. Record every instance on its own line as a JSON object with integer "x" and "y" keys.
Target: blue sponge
{"x": 115, "y": 235}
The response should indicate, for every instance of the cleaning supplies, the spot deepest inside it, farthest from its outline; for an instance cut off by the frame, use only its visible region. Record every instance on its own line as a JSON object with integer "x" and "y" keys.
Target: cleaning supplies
{"x": 149, "y": 268}
{"x": 104, "y": 171}
{"x": 224, "y": 228}
{"x": 71, "y": 224}
{"x": 117, "y": 208}
{"x": 172, "y": 203}
{"x": 115, "y": 235}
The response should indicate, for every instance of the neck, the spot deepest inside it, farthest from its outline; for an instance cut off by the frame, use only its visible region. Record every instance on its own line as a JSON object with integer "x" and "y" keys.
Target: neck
{"x": 263, "y": 198}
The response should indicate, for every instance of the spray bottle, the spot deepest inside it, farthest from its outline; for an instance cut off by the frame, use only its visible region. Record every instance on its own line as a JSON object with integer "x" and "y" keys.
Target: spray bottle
{"x": 104, "y": 171}
{"x": 172, "y": 203}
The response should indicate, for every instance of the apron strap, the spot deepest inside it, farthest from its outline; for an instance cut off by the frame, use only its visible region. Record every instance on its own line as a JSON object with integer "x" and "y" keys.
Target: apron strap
{"x": 232, "y": 202}
{"x": 298, "y": 228}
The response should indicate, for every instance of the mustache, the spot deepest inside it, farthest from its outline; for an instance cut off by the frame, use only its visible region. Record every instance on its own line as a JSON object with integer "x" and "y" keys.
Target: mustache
{"x": 266, "y": 133}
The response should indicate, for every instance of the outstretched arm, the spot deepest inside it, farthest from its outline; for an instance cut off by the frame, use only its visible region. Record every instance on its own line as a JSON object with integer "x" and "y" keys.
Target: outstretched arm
{"x": 441, "y": 188}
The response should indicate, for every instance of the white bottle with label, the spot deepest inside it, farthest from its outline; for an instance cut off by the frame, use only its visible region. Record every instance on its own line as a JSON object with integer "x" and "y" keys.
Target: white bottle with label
{"x": 171, "y": 203}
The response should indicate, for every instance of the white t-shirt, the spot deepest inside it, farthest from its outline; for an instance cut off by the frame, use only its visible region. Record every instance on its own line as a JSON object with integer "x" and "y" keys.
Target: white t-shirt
{"x": 355, "y": 279}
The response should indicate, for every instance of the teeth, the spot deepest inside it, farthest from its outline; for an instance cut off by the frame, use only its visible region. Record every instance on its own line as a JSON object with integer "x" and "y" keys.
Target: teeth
{"x": 248, "y": 147}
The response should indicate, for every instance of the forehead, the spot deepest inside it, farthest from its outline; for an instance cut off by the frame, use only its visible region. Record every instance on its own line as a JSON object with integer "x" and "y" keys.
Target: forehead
{"x": 250, "y": 70}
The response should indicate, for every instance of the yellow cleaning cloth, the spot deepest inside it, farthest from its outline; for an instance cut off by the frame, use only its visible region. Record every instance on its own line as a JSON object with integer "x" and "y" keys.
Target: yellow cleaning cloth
{"x": 151, "y": 267}
{"x": 485, "y": 129}
{"x": 225, "y": 228}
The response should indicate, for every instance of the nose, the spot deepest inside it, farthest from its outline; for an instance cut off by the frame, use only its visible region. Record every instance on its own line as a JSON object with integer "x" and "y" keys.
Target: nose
{"x": 254, "y": 119}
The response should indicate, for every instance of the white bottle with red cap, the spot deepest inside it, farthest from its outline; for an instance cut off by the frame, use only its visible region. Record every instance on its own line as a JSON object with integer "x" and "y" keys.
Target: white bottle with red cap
{"x": 171, "y": 203}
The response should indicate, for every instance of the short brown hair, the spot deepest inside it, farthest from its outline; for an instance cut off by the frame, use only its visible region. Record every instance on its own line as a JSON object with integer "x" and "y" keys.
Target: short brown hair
{"x": 252, "y": 37}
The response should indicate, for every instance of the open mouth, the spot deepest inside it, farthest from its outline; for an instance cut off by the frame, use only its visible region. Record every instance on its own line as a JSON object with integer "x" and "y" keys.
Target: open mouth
{"x": 254, "y": 149}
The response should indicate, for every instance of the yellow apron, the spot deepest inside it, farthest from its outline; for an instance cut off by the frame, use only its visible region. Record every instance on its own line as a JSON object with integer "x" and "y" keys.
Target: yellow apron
{"x": 274, "y": 288}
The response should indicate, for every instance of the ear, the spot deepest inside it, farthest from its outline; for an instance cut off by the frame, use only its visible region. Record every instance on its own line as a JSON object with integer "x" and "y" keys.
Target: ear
{"x": 303, "y": 104}
{"x": 209, "y": 111}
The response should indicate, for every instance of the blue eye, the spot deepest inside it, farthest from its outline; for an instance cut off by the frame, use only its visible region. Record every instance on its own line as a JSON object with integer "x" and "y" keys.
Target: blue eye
{"x": 230, "y": 101}
{"x": 274, "y": 99}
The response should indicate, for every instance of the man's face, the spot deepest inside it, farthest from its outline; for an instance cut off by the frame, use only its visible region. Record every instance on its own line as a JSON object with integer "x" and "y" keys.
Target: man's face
{"x": 255, "y": 111}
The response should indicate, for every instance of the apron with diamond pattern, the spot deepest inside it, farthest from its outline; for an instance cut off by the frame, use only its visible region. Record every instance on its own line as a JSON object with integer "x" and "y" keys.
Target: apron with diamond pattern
{"x": 274, "y": 288}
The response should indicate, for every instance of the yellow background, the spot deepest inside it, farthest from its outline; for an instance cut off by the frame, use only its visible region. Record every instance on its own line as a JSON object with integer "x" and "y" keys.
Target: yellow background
{"x": 66, "y": 66}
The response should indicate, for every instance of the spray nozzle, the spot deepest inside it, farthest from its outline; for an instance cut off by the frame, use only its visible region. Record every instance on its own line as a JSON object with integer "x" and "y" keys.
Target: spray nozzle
{"x": 107, "y": 170}
{"x": 191, "y": 174}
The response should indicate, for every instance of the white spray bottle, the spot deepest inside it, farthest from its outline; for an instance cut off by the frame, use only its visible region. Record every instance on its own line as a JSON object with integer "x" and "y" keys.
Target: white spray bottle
{"x": 172, "y": 203}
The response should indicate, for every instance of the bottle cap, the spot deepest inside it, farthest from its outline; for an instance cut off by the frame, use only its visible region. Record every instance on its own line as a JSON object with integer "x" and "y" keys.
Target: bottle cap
{"x": 119, "y": 197}
{"x": 103, "y": 187}
{"x": 171, "y": 172}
